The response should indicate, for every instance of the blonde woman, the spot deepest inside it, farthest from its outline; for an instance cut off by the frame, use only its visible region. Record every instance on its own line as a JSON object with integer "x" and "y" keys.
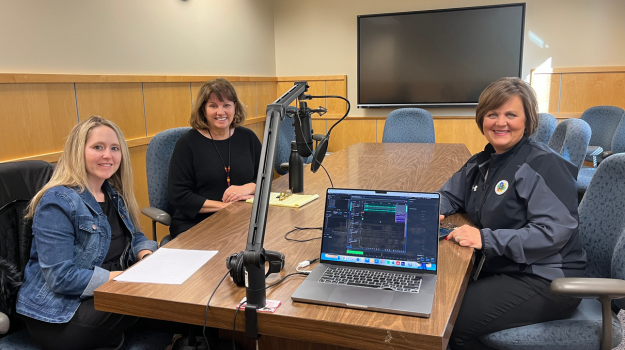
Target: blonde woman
{"x": 216, "y": 162}
{"x": 85, "y": 232}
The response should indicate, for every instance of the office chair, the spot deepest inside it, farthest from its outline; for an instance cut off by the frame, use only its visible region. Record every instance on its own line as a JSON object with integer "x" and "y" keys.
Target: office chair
{"x": 283, "y": 148}
{"x": 570, "y": 140}
{"x": 158, "y": 156}
{"x": 409, "y": 125}
{"x": 546, "y": 126}
{"x": 608, "y": 137}
{"x": 602, "y": 233}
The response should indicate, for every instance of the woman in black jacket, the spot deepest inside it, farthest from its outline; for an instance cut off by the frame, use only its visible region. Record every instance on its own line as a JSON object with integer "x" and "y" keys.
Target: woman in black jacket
{"x": 522, "y": 198}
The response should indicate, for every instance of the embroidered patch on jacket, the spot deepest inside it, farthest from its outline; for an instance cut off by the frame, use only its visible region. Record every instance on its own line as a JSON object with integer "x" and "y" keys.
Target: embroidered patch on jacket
{"x": 502, "y": 187}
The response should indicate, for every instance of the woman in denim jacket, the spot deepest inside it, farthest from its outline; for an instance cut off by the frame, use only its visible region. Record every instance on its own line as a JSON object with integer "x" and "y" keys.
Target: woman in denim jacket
{"x": 85, "y": 232}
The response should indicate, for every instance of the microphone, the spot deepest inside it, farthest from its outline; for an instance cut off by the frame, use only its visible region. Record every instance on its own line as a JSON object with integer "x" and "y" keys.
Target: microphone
{"x": 303, "y": 131}
{"x": 320, "y": 153}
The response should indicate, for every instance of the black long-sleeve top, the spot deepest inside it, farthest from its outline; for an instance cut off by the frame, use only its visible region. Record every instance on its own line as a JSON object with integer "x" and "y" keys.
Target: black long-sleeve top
{"x": 196, "y": 172}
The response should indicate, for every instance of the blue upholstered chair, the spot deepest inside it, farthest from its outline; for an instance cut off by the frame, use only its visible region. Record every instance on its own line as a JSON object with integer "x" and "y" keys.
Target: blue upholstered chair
{"x": 409, "y": 125}
{"x": 546, "y": 126}
{"x": 602, "y": 233}
{"x": 283, "y": 148}
{"x": 570, "y": 140}
{"x": 608, "y": 137}
{"x": 157, "y": 156}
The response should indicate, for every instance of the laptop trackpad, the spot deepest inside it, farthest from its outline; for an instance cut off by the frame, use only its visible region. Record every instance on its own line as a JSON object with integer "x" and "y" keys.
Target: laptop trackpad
{"x": 361, "y": 296}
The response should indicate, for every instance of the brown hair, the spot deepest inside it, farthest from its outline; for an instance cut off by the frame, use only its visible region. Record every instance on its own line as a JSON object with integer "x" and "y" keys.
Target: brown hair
{"x": 502, "y": 90}
{"x": 71, "y": 170}
{"x": 223, "y": 90}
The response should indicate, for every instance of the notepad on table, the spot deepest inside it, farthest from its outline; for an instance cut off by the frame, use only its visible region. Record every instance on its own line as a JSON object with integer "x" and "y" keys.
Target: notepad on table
{"x": 292, "y": 201}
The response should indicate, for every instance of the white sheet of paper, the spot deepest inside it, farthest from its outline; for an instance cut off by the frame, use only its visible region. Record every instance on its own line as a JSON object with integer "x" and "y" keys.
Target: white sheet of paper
{"x": 167, "y": 266}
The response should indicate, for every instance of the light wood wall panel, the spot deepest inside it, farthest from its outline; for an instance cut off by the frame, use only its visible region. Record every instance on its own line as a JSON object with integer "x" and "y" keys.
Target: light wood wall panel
{"x": 317, "y": 88}
{"x": 36, "y": 118}
{"x": 266, "y": 94}
{"x": 121, "y": 103}
{"x": 335, "y": 105}
{"x": 547, "y": 87}
{"x": 282, "y": 87}
{"x": 167, "y": 105}
{"x": 352, "y": 131}
{"x": 247, "y": 95}
{"x": 319, "y": 126}
{"x": 380, "y": 130}
{"x": 585, "y": 90}
{"x": 460, "y": 130}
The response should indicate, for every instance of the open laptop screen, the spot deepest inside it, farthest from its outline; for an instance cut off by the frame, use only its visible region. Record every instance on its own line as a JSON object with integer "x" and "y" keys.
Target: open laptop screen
{"x": 381, "y": 229}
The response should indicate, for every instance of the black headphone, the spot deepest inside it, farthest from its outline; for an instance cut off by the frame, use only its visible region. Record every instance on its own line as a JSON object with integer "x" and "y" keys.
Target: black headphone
{"x": 234, "y": 263}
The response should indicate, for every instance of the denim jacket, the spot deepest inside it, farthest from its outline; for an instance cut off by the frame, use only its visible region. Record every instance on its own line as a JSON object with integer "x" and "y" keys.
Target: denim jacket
{"x": 71, "y": 236}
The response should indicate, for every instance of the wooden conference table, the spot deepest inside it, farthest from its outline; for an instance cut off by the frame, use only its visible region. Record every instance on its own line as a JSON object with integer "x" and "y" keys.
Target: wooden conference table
{"x": 400, "y": 167}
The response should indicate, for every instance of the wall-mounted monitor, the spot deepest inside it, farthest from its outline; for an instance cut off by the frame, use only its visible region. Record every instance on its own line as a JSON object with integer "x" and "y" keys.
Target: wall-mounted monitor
{"x": 437, "y": 58}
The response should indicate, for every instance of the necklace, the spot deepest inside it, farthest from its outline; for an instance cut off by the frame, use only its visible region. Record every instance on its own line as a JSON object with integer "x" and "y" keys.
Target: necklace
{"x": 226, "y": 168}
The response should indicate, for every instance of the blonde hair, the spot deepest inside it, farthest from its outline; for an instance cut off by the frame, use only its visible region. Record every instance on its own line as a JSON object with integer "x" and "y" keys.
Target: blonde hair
{"x": 502, "y": 90}
{"x": 71, "y": 171}
{"x": 223, "y": 90}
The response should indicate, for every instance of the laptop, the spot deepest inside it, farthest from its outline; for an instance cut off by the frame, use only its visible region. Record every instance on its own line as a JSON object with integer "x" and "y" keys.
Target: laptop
{"x": 379, "y": 251}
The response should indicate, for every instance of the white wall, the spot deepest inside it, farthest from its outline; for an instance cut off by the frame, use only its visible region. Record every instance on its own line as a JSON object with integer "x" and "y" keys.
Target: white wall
{"x": 193, "y": 37}
{"x": 319, "y": 37}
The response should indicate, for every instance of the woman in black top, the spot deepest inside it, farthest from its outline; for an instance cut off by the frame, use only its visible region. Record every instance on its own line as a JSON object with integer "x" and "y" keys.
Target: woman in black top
{"x": 214, "y": 164}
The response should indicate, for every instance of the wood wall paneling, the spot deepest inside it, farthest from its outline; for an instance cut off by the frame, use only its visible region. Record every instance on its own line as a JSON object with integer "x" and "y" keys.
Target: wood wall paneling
{"x": 317, "y": 88}
{"x": 584, "y": 90}
{"x": 319, "y": 126}
{"x": 121, "y": 103}
{"x": 335, "y": 105}
{"x": 460, "y": 130}
{"x": 266, "y": 93}
{"x": 247, "y": 95}
{"x": 36, "y": 118}
{"x": 167, "y": 106}
{"x": 547, "y": 87}
{"x": 351, "y": 131}
{"x": 380, "y": 129}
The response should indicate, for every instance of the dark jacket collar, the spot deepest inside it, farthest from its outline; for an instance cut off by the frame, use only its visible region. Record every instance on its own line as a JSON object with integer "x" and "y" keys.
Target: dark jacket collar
{"x": 495, "y": 159}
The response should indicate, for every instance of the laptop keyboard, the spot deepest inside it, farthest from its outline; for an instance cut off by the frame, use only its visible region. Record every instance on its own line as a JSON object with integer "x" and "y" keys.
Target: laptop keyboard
{"x": 398, "y": 282}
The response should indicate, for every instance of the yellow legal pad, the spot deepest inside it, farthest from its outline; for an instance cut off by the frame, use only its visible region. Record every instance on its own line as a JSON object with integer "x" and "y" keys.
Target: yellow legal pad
{"x": 292, "y": 201}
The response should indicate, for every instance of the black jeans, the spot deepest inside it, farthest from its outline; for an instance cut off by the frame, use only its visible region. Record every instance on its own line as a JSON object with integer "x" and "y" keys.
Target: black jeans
{"x": 498, "y": 302}
{"x": 93, "y": 329}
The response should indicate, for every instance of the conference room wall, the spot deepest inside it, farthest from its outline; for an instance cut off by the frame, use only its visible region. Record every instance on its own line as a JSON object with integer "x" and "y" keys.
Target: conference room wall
{"x": 174, "y": 37}
{"x": 574, "y": 33}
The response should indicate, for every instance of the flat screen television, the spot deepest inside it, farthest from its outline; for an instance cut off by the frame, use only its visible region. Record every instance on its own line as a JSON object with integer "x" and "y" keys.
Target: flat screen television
{"x": 437, "y": 58}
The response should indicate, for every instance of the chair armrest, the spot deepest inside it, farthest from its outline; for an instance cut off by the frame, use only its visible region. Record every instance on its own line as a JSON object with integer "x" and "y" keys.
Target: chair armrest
{"x": 589, "y": 287}
{"x": 157, "y": 215}
{"x": 603, "y": 156}
{"x": 284, "y": 166}
{"x": 318, "y": 137}
{"x": 4, "y": 323}
{"x": 593, "y": 151}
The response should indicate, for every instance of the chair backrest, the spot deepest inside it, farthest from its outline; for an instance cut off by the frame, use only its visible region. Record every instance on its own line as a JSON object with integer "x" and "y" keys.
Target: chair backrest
{"x": 157, "y": 156}
{"x": 409, "y": 125}
{"x": 602, "y": 221}
{"x": 19, "y": 182}
{"x": 570, "y": 140}
{"x": 286, "y": 134}
{"x": 604, "y": 121}
{"x": 546, "y": 126}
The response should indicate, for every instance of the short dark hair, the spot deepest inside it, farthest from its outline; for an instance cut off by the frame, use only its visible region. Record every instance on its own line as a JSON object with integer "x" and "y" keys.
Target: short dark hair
{"x": 223, "y": 90}
{"x": 502, "y": 90}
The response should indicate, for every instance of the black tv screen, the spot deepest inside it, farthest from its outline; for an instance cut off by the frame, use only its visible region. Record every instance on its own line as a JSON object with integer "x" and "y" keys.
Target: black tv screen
{"x": 437, "y": 58}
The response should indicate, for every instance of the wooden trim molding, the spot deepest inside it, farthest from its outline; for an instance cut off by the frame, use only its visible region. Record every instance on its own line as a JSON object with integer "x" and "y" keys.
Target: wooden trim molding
{"x": 577, "y": 70}
{"x": 25, "y": 78}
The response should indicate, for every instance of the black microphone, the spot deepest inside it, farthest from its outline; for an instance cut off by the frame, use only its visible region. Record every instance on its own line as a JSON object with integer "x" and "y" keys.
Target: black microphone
{"x": 320, "y": 153}
{"x": 303, "y": 131}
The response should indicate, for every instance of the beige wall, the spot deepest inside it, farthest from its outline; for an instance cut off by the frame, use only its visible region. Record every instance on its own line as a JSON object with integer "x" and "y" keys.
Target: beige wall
{"x": 194, "y": 37}
{"x": 319, "y": 37}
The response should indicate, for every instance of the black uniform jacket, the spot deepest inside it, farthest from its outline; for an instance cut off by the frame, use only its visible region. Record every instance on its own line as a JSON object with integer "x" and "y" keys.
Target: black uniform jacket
{"x": 524, "y": 201}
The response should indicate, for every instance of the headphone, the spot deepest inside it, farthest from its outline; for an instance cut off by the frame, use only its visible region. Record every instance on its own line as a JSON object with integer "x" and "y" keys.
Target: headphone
{"x": 234, "y": 263}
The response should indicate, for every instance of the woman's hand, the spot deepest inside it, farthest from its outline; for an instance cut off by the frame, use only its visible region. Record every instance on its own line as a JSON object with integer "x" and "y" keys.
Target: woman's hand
{"x": 114, "y": 274}
{"x": 466, "y": 236}
{"x": 239, "y": 193}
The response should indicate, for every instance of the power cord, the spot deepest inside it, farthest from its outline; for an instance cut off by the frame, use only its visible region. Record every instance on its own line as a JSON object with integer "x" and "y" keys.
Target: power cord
{"x": 304, "y": 264}
{"x": 206, "y": 311}
{"x": 286, "y": 235}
